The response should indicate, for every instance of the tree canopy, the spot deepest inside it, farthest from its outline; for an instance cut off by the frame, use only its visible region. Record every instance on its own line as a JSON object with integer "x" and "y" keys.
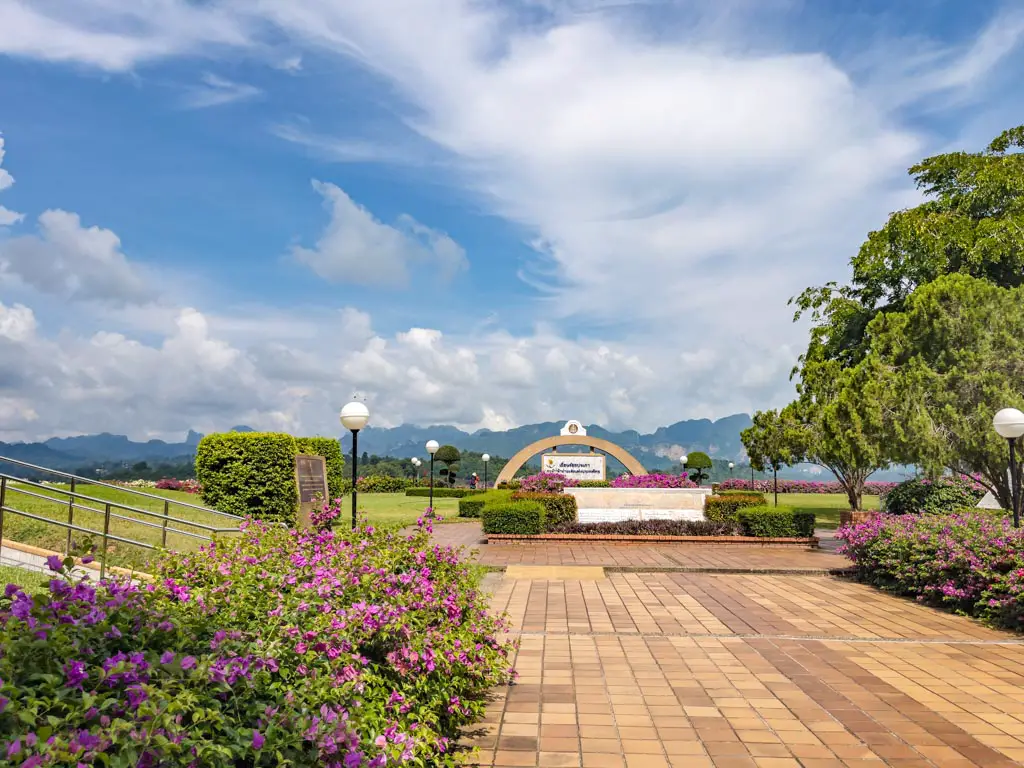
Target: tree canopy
{"x": 972, "y": 224}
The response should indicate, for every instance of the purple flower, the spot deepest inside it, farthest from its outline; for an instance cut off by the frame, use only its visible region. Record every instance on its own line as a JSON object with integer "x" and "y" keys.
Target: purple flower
{"x": 167, "y": 657}
{"x": 257, "y": 740}
{"x": 87, "y": 559}
{"x": 188, "y": 662}
{"x": 55, "y": 563}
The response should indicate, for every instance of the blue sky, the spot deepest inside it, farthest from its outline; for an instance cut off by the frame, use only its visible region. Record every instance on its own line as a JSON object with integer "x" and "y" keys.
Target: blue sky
{"x": 484, "y": 213}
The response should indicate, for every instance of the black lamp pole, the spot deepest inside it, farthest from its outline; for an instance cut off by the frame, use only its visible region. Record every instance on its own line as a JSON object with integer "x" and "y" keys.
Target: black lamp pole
{"x": 355, "y": 474}
{"x": 485, "y": 475}
{"x": 1014, "y": 482}
{"x": 431, "y": 482}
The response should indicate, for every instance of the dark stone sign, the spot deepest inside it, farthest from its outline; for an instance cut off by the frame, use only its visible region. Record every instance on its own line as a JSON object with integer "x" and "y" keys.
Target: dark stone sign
{"x": 311, "y": 480}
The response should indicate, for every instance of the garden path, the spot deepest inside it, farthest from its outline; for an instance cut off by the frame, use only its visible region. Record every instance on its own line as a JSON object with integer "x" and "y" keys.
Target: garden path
{"x": 644, "y": 663}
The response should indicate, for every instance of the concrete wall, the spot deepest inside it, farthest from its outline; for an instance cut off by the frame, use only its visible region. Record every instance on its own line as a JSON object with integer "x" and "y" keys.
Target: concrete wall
{"x": 613, "y": 504}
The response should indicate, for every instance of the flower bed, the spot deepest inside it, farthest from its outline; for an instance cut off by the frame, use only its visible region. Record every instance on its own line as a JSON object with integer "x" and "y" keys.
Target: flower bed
{"x": 651, "y": 528}
{"x": 317, "y": 649}
{"x": 171, "y": 484}
{"x": 803, "y": 486}
{"x": 653, "y": 481}
{"x": 970, "y": 562}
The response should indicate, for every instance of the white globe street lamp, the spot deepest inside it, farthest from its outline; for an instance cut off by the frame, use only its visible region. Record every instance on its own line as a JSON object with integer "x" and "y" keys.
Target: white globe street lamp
{"x": 732, "y": 466}
{"x": 486, "y": 457}
{"x": 354, "y": 417}
{"x": 682, "y": 461}
{"x": 432, "y": 447}
{"x": 1009, "y": 423}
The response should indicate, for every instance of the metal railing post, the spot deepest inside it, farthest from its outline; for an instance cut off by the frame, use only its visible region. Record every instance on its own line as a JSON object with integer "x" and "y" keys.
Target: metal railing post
{"x": 106, "y": 532}
{"x": 71, "y": 515}
{"x": 167, "y": 514}
{"x": 3, "y": 500}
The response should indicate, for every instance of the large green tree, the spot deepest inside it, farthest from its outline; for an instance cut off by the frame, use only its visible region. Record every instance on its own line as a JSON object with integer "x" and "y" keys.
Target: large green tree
{"x": 972, "y": 224}
{"x": 941, "y": 368}
{"x": 773, "y": 441}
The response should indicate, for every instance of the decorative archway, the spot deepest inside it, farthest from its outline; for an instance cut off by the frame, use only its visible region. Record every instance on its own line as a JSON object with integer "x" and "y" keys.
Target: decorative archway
{"x": 516, "y": 463}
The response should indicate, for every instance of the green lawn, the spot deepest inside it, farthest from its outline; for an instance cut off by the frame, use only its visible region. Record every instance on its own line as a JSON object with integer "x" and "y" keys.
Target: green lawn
{"x": 825, "y": 506}
{"x": 397, "y": 509}
{"x": 30, "y": 581}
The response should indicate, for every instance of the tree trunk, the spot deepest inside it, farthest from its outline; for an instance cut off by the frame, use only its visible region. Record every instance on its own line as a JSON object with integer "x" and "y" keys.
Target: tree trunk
{"x": 775, "y": 472}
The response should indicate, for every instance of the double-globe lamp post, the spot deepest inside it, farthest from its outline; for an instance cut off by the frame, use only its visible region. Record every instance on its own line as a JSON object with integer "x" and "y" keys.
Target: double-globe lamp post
{"x": 354, "y": 417}
{"x": 486, "y": 457}
{"x": 416, "y": 464}
{"x": 1009, "y": 423}
{"x": 432, "y": 447}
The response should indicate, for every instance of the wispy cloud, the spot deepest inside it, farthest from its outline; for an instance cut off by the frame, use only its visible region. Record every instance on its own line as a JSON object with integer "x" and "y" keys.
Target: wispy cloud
{"x": 340, "y": 149}
{"x": 290, "y": 65}
{"x": 215, "y": 91}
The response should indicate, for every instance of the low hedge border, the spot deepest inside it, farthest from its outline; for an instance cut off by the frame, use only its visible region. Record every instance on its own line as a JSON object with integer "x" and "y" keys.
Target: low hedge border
{"x": 559, "y": 508}
{"x": 444, "y": 493}
{"x": 776, "y": 522}
{"x": 724, "y": 508}
{"x": 517, "y": 518}
{"x": 473, "y": 506}
{"x": 746, "y": 541}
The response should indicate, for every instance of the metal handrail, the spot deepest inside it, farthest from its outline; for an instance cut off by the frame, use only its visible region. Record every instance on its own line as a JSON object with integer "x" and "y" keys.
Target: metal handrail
{"x": 91, "y": 481}
{"x": 10, "y": 484}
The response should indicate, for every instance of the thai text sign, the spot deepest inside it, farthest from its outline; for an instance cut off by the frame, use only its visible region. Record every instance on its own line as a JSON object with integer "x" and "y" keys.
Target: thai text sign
{"x": 578, "y": 466}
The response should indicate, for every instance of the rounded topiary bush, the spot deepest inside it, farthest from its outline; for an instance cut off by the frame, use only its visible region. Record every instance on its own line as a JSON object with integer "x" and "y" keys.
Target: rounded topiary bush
{"x": 937, "y": 497}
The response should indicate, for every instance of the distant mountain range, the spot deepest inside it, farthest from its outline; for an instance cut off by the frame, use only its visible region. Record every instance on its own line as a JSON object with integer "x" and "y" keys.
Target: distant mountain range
{"x": 719, "y": 439}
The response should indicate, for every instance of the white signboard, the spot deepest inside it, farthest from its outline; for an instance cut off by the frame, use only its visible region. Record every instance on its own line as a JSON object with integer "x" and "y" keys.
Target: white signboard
{"x": 578, "y": 466}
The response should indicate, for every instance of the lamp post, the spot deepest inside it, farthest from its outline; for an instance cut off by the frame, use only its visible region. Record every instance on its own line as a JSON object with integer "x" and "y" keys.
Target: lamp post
{"x": 432, "y": 447}
{"x": 416, "y": 465}
{"x": 682, "y": 460}
{"x": 732, "y": 466}
{"x": 486, "y": 457}
{"x": 354, "y": 417}
{"x": 1009, "y": 423}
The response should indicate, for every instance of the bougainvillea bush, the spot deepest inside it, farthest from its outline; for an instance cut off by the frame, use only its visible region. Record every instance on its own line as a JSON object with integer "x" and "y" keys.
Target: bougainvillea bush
{"x": 310, "y": 649}
{"x": 546, "y": 482}
{"x": 971, "y": 562}
{"x": 173, "y": 484}
{"x": 803, "y": 486}
{"x": 653, "y": 481}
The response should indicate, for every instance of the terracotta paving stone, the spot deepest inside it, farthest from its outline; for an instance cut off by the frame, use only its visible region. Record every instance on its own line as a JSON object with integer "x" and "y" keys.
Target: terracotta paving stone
{"x": 712, "y": 670}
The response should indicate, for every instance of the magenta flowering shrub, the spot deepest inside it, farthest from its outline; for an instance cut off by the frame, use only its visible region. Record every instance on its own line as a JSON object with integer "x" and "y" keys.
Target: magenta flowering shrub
{"x": 171, "y": 484}
{"x": 653, "y": 481}
{"x": 546, "y": 482}
{"x": 804, "y": 486}
{"x": 276, "y": 647}
{"x": 970, "y": 562}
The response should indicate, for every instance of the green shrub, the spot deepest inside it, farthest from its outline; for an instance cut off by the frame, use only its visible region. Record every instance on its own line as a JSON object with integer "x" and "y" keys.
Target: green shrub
{"x": 752, "y": 494}
{"x": 722, "y": 509}
{"x": 383, "y": 484}
{"x": 511, "y": 485}
{"x": 594, "y": 484}
{"x": 330, "y": 449}
{"x": 473, "y": 505}
{"x": 775, "y": 522}
{"x": 559, "y": 508}
{"x": 941, "y": 497}
{"x": 441, "y": 492}
{"x": 524, "y": 518}
{"x": 249, "y": 474}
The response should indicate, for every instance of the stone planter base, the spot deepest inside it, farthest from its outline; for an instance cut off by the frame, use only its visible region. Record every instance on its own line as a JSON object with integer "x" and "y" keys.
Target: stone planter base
{"x": 849, "y": 516}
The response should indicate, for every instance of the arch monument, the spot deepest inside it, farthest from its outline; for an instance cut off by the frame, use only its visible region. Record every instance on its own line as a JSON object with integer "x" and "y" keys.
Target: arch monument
{"x": 572, "y": 433}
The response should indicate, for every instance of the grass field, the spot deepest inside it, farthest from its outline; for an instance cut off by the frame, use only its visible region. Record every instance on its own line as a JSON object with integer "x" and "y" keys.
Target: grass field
{"x": 30, "y": 581}
{"x": 825, "y": 506}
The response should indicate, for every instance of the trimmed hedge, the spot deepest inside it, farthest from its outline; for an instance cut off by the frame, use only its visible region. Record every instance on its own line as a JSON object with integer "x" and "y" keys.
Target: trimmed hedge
{"x": 594, "y": 484}
{"x": 942, "y": 497}
{"x": 511, "y": 486}
{"x": 559, "y": 508}
{"x": 754, "y": 494}
{"x": 775, "y": 522}
{"x": 650, "y": 528}
{"x": 330, "y": 449}
{"x": 525, "y": 518}
{"x": 249, "y": 474}
{"x": 382, "y": 484}
{"x": 724, "y": 508}
{"x": 472, "y": 506}
{"x": 443, "y": 493}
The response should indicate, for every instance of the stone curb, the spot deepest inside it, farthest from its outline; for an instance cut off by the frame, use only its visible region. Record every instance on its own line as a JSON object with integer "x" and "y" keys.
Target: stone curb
{"x": 749, "y": 541}
{"x": 28, "y": 549}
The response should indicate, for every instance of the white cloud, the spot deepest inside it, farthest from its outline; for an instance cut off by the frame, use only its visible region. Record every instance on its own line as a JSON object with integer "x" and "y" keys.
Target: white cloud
{"x": 291, "y": 65}
{"x": 358, "y": 248}
{"x": 73, "y": 262}
{"x": 7, "y": 216}
{"x": 215, "y": 91}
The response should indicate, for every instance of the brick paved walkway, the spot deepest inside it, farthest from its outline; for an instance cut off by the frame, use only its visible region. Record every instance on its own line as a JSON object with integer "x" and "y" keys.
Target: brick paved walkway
{"x": 723, "y": 670}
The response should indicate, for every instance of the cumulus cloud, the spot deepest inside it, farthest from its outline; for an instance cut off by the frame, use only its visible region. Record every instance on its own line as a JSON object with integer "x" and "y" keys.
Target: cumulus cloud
{"x": 358, "y": 248}
{"x": 215, "y": 91}
{"x": 7, "y": 216}
{"x": 73, "y": 262}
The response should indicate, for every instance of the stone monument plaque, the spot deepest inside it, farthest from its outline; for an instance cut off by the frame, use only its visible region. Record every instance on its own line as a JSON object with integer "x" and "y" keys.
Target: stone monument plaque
{"x": 311, "y": 480}
{"x": 578, "y": 466}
